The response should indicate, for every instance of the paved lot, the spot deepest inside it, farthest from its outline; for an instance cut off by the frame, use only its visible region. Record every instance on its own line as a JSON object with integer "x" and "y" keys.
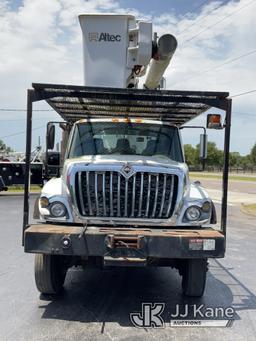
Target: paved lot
{"x": 237, "y": 186}
{"x": 96, "y": 304}
{"x": 239, "y": 191}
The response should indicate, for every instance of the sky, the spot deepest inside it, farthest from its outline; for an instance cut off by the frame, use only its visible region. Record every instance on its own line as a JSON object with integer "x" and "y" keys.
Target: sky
{"x": 41, "y": 41}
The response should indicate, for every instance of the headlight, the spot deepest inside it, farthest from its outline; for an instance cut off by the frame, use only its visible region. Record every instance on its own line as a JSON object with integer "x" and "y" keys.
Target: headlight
{"x": 57, "y": 209}
{"x": 206, "y": 206}
{"x": 44, "y": 202}
{"x": 193, "y": 213}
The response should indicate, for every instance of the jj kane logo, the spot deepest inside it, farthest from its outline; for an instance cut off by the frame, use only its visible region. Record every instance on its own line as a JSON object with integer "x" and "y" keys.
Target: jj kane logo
{"x": 149, "y": 317}
{"x": 96, "y": 36}
{"x": 187, "y": 316}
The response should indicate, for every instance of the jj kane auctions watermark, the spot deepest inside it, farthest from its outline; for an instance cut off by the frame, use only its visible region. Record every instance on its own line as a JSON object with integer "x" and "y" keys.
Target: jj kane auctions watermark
{"x": 186, "y": 315}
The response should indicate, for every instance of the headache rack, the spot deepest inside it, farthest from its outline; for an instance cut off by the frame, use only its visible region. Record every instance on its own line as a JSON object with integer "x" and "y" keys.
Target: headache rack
{"x": 73, "y": 103}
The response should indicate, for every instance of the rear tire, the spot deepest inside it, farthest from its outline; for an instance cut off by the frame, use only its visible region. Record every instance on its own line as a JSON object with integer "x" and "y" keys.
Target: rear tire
{"x": 50, "y": 273}
{"x": 194, "y": 277}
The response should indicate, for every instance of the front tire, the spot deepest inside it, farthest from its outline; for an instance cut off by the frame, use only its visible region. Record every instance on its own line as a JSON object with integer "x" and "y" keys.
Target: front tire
{"x": 194, "y": 277}
{"x": 50, "y": 273}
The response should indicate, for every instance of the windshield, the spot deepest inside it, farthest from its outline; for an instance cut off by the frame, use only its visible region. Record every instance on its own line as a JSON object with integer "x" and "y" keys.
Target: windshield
{"x": 104, "y": 138}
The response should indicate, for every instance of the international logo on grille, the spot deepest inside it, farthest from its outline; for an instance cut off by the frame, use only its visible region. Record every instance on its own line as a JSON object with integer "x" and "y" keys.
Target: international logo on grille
{"x": 127, "y": 171}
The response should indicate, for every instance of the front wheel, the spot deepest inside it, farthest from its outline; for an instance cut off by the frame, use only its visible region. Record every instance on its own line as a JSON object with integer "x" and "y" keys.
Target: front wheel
{"x": 50, "y": 273}
{"x": 194, "y": 277}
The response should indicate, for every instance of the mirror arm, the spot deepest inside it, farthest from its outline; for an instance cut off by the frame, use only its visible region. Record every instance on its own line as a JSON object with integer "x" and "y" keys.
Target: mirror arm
{"x": 196, "y": 127}
{"x": 204, "y": 146}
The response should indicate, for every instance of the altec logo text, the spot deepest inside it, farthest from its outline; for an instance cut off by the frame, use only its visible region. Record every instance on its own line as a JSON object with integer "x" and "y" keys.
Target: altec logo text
{"x": 96, "y": 36}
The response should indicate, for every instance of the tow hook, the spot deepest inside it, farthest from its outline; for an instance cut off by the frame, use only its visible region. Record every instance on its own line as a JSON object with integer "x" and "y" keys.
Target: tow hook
{"x": 130, "y": 242}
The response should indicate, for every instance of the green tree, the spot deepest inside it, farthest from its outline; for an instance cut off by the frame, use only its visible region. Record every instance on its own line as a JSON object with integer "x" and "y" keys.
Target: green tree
{"x": 214, "y": 155}
{"x": 235, "y": 159}
{"x": 245, "y": 161}
{"x": 190, "y": 155}
{"x": 253, "y": 154}
{"x": 4, "y": 148}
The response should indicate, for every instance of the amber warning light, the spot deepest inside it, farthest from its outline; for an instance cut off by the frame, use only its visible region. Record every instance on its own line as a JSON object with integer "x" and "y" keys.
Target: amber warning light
{"x": 214, "y": 121}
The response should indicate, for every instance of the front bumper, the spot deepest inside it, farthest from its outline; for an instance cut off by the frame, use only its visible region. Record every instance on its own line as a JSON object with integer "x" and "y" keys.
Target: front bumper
{"x": 137, "y": 243}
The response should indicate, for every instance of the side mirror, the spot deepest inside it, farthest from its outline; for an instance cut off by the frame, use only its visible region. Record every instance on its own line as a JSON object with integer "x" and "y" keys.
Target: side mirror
{"x": 51, "y": 161}
{"x": 214, "y": 121}
{"x": 203, "y": 147}
{"x": 50, "y": 136}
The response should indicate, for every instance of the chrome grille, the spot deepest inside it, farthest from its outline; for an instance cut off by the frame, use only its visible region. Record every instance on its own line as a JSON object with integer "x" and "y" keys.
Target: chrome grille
{"x": 110, "y": 194}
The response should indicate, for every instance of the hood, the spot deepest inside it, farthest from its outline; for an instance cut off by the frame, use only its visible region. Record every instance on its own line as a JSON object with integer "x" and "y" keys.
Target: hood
{"x": 152, "y": 161}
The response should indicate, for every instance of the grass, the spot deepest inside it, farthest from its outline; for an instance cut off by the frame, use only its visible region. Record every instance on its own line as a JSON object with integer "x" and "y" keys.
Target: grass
{"x": 20, "y": 188}
{"x": 219, "y": 176}
{"x": 249, "y": 209}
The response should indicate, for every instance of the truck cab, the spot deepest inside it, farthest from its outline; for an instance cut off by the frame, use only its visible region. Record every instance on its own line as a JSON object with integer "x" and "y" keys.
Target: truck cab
{"x": 125, "y": 171}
